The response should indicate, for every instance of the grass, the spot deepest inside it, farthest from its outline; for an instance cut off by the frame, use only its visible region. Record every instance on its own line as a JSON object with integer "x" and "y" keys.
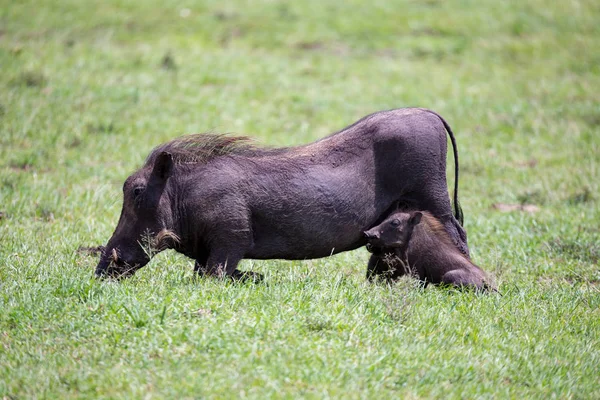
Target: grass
{"x": 87, "y": 91}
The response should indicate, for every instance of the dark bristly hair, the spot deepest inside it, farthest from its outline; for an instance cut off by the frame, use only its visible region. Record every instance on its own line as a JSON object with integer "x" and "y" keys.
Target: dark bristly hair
{"x": 200, "y": 148}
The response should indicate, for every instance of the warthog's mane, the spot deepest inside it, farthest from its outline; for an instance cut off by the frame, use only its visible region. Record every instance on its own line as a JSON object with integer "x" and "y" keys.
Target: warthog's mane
{"x": 434, "y": 226}
{"x": 202, "y": 147}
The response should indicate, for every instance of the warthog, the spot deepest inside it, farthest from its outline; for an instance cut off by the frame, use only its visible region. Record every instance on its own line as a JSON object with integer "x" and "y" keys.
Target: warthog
{"x": 416, "y": 243}
{"x": 219, "y": 199}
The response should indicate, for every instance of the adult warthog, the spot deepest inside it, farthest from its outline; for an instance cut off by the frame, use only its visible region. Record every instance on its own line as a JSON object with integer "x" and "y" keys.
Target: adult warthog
{"x": 219, "y": 199}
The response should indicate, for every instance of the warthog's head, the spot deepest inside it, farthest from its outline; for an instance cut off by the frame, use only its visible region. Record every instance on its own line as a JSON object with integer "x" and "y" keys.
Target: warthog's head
{"x": 395, "y": 231}
{"x": 146, "y": 222}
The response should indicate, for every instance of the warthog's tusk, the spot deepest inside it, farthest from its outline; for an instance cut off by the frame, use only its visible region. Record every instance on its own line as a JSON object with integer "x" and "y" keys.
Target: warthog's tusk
{"x": 115, "y": 257}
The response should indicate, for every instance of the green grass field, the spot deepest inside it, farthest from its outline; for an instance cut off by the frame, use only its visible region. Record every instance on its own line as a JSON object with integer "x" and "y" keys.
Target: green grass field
{"x": 87, "y": 89}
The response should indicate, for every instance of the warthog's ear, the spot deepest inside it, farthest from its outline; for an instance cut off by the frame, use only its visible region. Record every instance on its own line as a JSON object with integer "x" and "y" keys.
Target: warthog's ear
{"x": 163, "y": 165}
{"x": 415, "y": 218}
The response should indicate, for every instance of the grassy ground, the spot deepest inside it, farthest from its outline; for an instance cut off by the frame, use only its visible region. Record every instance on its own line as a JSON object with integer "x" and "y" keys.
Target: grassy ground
{"x": 87, "y": 89}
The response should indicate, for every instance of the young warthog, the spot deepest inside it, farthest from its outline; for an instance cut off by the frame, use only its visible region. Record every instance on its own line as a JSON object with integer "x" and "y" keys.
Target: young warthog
{"x": 417, "y": 243}
{"x": 219, "y": 199}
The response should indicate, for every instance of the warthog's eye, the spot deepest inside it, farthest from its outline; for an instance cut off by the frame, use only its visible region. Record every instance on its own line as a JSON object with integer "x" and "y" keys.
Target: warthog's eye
{"x": 137, "y": 191}
{"x": 137, "y": 196}
{"x": 395, "y": 223}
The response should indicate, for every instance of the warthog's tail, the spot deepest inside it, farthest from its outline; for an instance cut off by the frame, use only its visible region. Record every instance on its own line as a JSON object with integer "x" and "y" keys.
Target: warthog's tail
{"x": 458, "y": 213}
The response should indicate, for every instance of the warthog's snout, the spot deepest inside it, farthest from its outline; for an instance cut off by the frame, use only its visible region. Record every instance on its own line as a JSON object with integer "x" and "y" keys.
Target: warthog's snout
{"x": 102, "y": 268}
{"x": 371, "y": 234}
{"x": 111, "y": 265}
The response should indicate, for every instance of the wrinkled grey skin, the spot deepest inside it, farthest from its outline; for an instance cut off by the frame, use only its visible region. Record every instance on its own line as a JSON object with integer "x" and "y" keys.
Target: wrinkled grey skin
{"x": 421, "y": 246}
{"x": 293, "y": 203}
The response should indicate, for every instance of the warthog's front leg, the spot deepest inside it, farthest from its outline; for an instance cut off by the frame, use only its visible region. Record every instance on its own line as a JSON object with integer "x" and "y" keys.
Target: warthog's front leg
{"x": 223, "y": 262}
{"x": 383, "y": 265}
{"x": 225, "y": 255}
{"x": 200, "y": 265}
